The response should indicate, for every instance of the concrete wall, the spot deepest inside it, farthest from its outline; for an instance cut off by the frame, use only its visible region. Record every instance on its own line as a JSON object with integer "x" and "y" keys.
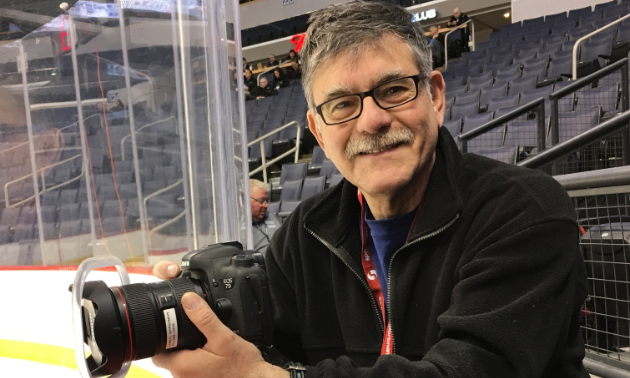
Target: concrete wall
{"x": 524, "y": 9}
{"x": 263, "y": 12}
{"x": 273, "y": 10}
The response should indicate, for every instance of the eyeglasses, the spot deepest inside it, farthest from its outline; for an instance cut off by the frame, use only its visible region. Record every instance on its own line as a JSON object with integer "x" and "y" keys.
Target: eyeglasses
{"x": 261, "y": 201}
{"x": 388, "y": 95}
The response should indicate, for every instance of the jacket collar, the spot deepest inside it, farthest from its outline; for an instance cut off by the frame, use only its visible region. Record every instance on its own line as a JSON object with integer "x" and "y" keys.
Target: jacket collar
{"x": 336, "y": 214}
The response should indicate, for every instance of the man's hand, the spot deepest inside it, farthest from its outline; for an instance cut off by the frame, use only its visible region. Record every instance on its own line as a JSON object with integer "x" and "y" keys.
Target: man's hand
{"x": 224, "y": 355}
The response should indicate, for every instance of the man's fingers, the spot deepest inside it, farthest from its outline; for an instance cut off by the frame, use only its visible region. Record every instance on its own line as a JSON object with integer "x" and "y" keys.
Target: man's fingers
{"x": 166, "y": 270}
{"x": 218, "y": 335}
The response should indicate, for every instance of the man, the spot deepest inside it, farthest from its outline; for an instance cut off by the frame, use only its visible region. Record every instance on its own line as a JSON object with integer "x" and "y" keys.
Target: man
{"x": 424, "y": 262}
{"x": 249, "y": 81}
{"x": 437, "y": 48}
{"x": 294, "y": 71}
{"x": 457, "y": 19}
{"x": 265, "y": 224}
{"x": 262, "y": 91}
{"x": 273, "y": 61}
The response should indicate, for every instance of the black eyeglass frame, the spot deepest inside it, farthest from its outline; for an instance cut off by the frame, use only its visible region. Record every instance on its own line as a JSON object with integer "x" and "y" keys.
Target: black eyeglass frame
{"x": 416, "y": 79}
{"x": 260, "y": 201}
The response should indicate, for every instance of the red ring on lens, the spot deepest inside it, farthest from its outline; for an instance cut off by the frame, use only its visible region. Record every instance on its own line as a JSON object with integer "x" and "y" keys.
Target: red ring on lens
{"x": 128, "y": 325}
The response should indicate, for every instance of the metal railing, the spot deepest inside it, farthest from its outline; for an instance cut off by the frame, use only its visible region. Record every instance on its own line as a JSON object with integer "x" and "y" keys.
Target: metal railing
{"x": 157, "y": 193}
{"x": 579, "y": 41}
{"x": 261, "y": 140}
{"x": 602, "y": 204}
{"x": 43, "y": 176}
{"x": 472, "y": 33}
{"x": 580, "y": 141}
{"x": 122, "y": 142}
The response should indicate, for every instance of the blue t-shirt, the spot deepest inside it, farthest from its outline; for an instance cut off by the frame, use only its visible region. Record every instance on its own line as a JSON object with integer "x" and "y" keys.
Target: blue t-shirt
{"x": 385, "y": 237}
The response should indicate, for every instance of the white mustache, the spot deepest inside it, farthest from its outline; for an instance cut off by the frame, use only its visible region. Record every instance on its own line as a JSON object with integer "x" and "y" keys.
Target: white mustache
{"x": 380, "y": 141}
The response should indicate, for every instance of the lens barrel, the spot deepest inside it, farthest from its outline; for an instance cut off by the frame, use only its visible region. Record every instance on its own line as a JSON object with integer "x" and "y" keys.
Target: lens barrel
{"x": 149, "y": 318}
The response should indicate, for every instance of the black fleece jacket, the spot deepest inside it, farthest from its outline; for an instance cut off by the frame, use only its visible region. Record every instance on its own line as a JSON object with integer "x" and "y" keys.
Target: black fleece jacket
{"x": 489, "y": 284}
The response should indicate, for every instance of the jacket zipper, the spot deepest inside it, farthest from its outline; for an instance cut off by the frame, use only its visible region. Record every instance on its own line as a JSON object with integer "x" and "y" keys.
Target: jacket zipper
{"x": 363, "y": 282}
{"x": 389, "y": 274}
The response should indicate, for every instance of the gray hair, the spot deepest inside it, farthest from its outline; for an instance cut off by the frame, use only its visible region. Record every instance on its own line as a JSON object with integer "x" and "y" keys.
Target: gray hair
{"x": 253, "y": 183}
{"x": 352, "y": 28}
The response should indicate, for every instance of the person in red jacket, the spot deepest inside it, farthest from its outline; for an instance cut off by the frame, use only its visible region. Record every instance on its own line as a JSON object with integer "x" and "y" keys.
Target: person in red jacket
{"x": 423, "y": 262}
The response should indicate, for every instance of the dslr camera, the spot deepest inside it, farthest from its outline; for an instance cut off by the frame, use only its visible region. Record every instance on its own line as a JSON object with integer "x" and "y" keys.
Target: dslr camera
{"x": 136, "y": 321}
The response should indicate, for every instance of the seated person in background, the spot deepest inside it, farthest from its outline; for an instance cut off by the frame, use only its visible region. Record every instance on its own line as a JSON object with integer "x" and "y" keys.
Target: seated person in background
{"x": 262, "y": 91}
{"x": 294, "y": 71}
{"x": 264, "y": 224}
{"x": 245, "y": 65}
{"x": 437, "y": 48}
{"x": 273, "y": 61}
{"x": 293, "y": 55}
{"x": 279, "y": 79}
{"x": 457, "y": 19}
{"x": 118, "y": 106}
{"x": 249, "y": 81}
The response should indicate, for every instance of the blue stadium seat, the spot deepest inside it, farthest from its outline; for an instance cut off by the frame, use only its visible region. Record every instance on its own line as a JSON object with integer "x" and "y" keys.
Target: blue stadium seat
{"x": 454, "y": 81}
{"x": 107, "y": 193}
{"x": 69, "y": 211}
{"x": 49, "y": 214}
{"x": 328, "y": 168}
{"x": 71, "y": 227}
{"x": 553, "y": 18}
{"x": 296, "y": 171}
{"x": 488, "y": 93}
{"x": 153, "y": 186}
{"x": 512, "y": 70}
{"x": 460, "y": 111}
{"x": 453, "y": 127}
{"x": 475, "y": 84}
{"x": 166, "y": 173}
{"x": 23, "y": 232}
{"x": 28, "y": 216}
{"x": 524, "y": 133}
{"x": 559, "y": 67}
{"x": 549, "y": 50}
{"x": 312, "y": 186}
{"x": 533, "y": 94}
{"x": 503, "y": 102}
{"x": 503, "y": 111}
{"x": 123, "y": 166}
{"x": 288, "y": 206}
{"x": 127, "y": 191}
{"x": 124, "y": 177}
{"x": 318, "y": 155}
{"x": 539, "y": 71}
{"x": 473, "y": 121}
{"x": 104, "y": 180}
{"x": 466, "y": 98}
{"x": 50, "y": 198}
{"x": 111, "y": 208}
{"x": 336, "y": 179}
{"x": 574, "y": 123}
{"x": 507, "y": 77}
{"x": 576, "y": 13}
{"x": 488, "y": 140}
{"x": 600, "y": 7}
{"x": 599, "y": 51}
{"x": 522, "y": 84}
{"x": 68, "y": 196}
{"x": 506, "y": 154}
{"x": 606, "y": 97}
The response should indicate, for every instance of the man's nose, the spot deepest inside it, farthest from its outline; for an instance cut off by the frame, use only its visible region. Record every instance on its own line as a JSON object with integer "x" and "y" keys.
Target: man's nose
{"x": 372, "y": 118}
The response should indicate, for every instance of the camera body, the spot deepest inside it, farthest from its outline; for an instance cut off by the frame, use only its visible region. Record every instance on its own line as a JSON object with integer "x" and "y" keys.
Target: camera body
{"x": 136, "y": 321}
{"x": 236, "y": 287}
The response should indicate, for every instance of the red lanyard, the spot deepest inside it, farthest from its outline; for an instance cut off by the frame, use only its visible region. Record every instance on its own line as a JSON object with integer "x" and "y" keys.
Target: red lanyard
{"x": 372, "y": 279}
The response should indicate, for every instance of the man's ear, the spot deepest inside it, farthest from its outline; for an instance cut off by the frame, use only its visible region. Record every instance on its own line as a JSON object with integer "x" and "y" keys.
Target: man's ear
{"x": 438, "y": 88}
{"x": 312, "y": 125}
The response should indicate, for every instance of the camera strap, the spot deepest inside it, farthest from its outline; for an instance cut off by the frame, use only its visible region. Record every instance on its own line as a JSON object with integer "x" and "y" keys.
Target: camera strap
{"x": 372, "y": 279}
{"x": 265, "y": 303}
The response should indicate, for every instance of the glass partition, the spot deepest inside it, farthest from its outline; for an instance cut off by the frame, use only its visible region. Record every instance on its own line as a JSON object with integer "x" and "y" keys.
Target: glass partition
{"x": 126, "y": 135}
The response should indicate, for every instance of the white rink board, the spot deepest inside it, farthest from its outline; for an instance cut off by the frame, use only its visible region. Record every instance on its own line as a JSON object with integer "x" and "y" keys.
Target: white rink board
{"x": 41, "y": 313}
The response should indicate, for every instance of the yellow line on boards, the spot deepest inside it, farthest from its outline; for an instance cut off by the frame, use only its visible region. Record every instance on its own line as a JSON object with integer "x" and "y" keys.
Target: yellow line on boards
{"x": 53, "y": 355}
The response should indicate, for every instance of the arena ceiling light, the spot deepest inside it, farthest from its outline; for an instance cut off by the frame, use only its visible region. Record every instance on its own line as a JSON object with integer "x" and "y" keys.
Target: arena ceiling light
{"x": 507, "y": 15}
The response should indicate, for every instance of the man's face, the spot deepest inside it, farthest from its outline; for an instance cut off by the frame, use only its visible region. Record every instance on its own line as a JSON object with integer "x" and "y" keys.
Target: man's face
{"x": 248, "y": 74}
{"x": 457, "y": 13}
{"x": 294, "y": 65}
{"x": 263, "y": 83}
{"x": 272, "y": 57}
{"x": 258, "y": 210}
{"x": 386, "y": 171}
{"x": 433, "y": 30}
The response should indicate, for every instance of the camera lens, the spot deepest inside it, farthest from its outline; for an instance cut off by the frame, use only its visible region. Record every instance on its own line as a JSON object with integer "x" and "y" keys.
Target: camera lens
{"x": 132, "y": 322}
